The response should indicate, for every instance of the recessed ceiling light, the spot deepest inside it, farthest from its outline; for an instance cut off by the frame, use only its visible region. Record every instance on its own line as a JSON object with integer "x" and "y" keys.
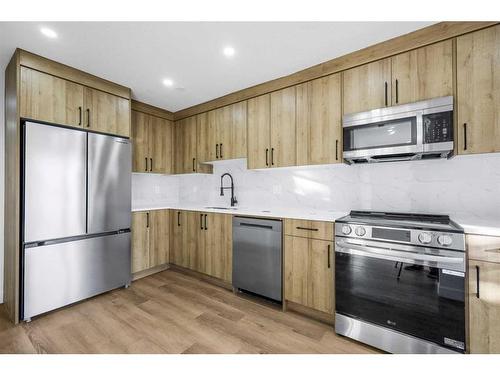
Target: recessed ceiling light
{"x": 49, "y": 33}
{"x": 168, "y": 82}
{"x": 229, "y": 51}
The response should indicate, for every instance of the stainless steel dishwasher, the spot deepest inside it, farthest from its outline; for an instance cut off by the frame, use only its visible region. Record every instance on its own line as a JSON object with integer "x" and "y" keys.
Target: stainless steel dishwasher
{"x": 257, "y": 256}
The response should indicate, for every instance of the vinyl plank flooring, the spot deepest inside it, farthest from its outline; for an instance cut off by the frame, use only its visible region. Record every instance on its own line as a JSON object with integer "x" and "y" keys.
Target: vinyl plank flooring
{"x": 172, "y": 312}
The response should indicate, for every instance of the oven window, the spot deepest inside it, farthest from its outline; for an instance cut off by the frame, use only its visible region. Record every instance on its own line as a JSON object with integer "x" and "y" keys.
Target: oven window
{"x": 400, "y": 132}
{"x": 417, "y": 300}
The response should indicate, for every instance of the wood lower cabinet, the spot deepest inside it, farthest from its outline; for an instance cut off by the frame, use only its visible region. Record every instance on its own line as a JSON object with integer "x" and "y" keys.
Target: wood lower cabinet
{"x": 106, "y": 113}
{"x": 478, "y": 91}
{"x": 319, "y": 121}
{"x": 153, "y": 144}
{"x": 150, "y": 239}
{"x": 484, "y": 307}
{"x": 309, "y": 271}
{"x": 51, "y": 99}
{"x": 218, "y": 246}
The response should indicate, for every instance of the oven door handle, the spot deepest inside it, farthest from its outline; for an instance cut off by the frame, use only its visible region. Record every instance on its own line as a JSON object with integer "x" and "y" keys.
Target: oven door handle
{"x": 400, "y": 256}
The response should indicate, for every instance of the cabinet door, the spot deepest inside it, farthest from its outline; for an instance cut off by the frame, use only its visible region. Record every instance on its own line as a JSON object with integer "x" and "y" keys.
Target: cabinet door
{"x": 258, "y": 141}
{"x": 107, "y": 113}
{"x": 161, "y": 134}
{"x": 320, "y": 283}
{"x": 367, "y": 86}
{"x": 140, "y": 240}
{"x": 319, "y": 121}
{"x": 140, "y": 142}
{"x": 207, "y": 146}
{"x": 232, "y": 131}
{"x": 283, "y": 128}
{"x": 47, "y": 98}
{"x": 423, "y": 73}
{"x": 484, "y": 311}
{"x": 178, "y": 252}
{"x": 297, "y": 269}
{"x": 193, "y": 252}
{"x": 189, "y": 144}
{"x": 179, "y": 146}
{"x": 159, "y": 237}
{"x": 218, "y": 246}
{"x": 478, "y": 91}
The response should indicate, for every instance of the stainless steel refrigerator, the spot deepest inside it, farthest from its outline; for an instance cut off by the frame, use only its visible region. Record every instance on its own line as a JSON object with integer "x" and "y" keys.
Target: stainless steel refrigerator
{"x": 76, "y": 216}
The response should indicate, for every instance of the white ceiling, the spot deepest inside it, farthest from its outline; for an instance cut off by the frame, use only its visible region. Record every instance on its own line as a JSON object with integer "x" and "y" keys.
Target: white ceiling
{"x": 141, "y": 54}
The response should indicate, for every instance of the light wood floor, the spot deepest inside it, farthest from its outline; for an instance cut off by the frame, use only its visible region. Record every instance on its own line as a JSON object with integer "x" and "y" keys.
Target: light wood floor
{"x": 171, "y": 312}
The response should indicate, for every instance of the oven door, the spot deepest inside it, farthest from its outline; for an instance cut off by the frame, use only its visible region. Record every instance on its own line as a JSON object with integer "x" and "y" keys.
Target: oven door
{"x": 383, "y": 137}
{"x": 413, "y": 290}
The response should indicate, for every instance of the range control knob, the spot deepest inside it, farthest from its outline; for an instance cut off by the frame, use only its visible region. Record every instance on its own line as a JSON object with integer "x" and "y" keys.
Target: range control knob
{"x": 445, "y": 240}
{"x": 425, "y": 237}
{"x": 346, "y": 229}
{"x": 360, "y": 231}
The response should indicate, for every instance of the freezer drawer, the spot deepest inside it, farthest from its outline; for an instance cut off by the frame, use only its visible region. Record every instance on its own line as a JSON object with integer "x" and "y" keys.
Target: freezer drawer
{"x": 109, "y": 183}
{"x": 63, "y": 273}
{"x": 54, "y": 182}
{"x": 257, "y": 256}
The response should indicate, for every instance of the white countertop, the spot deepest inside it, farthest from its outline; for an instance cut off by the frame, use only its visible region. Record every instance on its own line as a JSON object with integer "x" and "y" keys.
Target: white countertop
{"x": 487, "y": 227}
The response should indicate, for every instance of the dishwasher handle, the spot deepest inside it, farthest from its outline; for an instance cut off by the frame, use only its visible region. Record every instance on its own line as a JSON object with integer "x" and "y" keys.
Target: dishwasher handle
{"x": 270, "y": 227}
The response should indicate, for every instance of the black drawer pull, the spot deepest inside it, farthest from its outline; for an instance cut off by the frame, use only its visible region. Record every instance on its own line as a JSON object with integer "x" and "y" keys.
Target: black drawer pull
{"x": 397, "y": 91}
{"x": 151, "y": 166}
{"x": 311, "y": 229}
{"x": 329, "y": 255}
{"x": 385, "y": 94}
{"x": 178, "y": 218}
{"x": 194, "y": 169}
{"x": 216, "y": 150}
{"x": 88, "y": 118}
{"x": 146, "y": 168}
{"x": 465, "y": 136}
{"x": 206, "y": 221}
{"x": 220, "y": 147}
{"x": 336, "y": 149}
{"x": 79, "y": 115}
{"x": 272, "y": 156}
{"x": 477, "y": 281}
{"x": 267, "y": 157}
{"x": 147, "y": 219}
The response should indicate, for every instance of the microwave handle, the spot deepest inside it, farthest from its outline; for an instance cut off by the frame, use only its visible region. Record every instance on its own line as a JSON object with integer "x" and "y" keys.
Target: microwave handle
{"x": 395, "y": 158}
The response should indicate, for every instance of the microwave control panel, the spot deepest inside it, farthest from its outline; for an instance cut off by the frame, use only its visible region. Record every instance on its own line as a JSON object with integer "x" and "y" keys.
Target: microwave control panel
{"x": 438, "y": 127}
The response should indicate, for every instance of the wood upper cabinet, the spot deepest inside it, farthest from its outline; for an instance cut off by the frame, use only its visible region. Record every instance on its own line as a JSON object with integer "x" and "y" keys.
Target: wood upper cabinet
{"x": 367, "y": 86}
{"x": 478, "y": 91}
{"x": 106, "y": 113}
{"x": 309, "y": 273}
{"x": 185, "y": 145}
{"x": 423, "y": 73}
{"x": 153, "y": 143}
{"x": 283, "y": 127}
{"x": 150, "y": 239}
{"x": 47, "y": 98}
{"x": 207, "y": 144}
{"x": 484, "y": 307}
{"x": 319, "y": 121}
{"x": 258, "y": 139}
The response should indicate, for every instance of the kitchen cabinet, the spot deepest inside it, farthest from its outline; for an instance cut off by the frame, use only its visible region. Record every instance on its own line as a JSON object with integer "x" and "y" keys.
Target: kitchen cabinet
{"x": 309, "y": 273}
{"x": 153, "y": 143}
{"x": 222, "y": 133}
{"x": 319, "y": 121}
{"x": 150, "y": 239}
{"x": 423, "y": 73}
{"x": 478, "y": 91}
{"x": 185, "y": 145}
{"x": 272, "y": 130}
{"x": 484, "y": 307}
{"x": 320, "y": 230}
{"x": 184, "y": 240}
{"x": 106, "y": 113}
{"x": 48, "y": 98}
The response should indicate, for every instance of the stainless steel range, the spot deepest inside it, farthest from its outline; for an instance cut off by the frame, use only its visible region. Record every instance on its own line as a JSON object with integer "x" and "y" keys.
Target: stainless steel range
{"x": 400, "y": 281}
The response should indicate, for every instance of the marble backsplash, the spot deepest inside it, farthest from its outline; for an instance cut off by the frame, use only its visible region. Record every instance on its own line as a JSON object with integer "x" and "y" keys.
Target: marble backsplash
{"x": 464, "y": 186}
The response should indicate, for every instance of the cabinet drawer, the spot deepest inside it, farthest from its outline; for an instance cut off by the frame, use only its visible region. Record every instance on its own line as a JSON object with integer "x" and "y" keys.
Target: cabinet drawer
{"x": 321, "y": 230}
{"x": 485, "y": 248}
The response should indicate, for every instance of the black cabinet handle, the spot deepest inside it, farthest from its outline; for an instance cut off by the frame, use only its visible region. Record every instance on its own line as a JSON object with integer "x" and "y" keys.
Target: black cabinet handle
{"x": 79, "y": 115}
{"x": 272, "y": 156}
{"x": 146, "y": 168}
{"x": 88, "y": 118}
{"x": 311, "y": 229}
{"x": 205, "y": 221}
{"x": 178, "y": 218}
{"x": 201, "y": 221}
{"x": 329, "y": 255}
{"x": 397, "y": 91}
{"x": 385, "y": 93}
{"x": 465, "y": 136}
{"x": 194, "y": 169}
{"x": 221, "y": 151}
{"x": 151, "y": 165}
{"x": 267, "y": 157}
{"x": 147, "y": 219}
{"x": 336, "y": 149}
{"x": 216, "y": 150}
{"x": 477, "y": 281}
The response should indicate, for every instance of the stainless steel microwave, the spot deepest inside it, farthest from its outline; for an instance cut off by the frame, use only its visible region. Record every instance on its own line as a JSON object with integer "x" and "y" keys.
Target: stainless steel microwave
{"x": 420, "y": 130}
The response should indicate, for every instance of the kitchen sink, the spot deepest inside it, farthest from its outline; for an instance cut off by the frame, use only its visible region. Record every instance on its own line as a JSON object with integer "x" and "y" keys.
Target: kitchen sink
{"x": 221, "y": 208}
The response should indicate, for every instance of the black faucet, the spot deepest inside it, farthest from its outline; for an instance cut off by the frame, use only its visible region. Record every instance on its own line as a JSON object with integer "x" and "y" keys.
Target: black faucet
{"x": 222, "y": 188}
